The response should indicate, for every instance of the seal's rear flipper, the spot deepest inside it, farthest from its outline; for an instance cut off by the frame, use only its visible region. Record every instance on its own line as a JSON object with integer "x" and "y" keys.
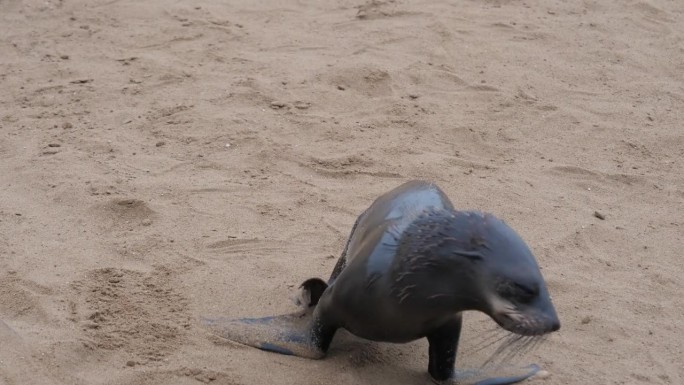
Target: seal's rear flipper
{"x": 285, "y": 334}
{"x": 502, "y": 375}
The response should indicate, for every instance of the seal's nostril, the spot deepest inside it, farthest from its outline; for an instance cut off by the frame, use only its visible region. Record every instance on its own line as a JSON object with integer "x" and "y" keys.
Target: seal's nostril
{"x": 555, "y": 325}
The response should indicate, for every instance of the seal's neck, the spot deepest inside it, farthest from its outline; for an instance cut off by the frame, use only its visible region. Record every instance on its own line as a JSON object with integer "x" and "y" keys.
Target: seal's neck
{"x": 429, "y": 265}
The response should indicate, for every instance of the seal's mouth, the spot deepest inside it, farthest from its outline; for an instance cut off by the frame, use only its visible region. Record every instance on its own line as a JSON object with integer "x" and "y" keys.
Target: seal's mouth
{"x": 526, "y": 324}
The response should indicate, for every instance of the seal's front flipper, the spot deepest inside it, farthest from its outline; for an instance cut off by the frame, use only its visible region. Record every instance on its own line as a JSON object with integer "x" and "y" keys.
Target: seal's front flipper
{"x": 495, "y": 376}
{"x": 498, "y": 376}
{"x": 443, "y": 346}
{"x": 289, "y": 334}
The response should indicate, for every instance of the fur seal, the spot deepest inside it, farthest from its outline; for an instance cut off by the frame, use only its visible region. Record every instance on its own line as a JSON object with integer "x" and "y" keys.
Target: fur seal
{"x": 411, "y": 265}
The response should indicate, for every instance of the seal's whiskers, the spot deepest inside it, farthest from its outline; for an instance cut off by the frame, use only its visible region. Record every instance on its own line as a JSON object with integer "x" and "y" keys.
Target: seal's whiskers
{"x": 528, "y": 346}
{"x": 538, "y": 341}
{"x": 507, "y": 344}
{"x": 517, "y": 349}
{"x": 490, "y": 340}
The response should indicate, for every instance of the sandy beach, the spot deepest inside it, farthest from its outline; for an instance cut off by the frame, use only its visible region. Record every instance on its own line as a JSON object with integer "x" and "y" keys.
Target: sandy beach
{"x": 166, "y": 160}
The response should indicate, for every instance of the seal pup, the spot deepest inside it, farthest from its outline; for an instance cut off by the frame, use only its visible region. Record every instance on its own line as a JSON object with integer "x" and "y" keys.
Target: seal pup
{"x": 411, "y": 266}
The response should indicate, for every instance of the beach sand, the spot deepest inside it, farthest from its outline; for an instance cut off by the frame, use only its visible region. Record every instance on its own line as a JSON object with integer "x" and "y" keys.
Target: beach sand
{"x": 166, "y": 160}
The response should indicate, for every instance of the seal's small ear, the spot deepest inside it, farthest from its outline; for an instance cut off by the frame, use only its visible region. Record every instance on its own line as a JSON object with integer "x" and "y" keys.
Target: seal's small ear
{"x": 312, "y": 290}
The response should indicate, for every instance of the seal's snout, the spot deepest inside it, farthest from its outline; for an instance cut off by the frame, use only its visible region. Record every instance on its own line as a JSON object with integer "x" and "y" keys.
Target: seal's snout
{"x": 555, "y": 325}
{"x": 552, "y": 323}
{"x": 528, "y": 326}
{"x": 549, "y": 325}
{"x": 525, "y": 320}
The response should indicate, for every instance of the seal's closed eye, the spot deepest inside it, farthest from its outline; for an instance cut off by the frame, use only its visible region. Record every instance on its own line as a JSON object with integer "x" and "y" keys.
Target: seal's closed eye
{"x": 472, "y": 256}
{"x": 526, "y": 293}
{"x": 518, "y": 292}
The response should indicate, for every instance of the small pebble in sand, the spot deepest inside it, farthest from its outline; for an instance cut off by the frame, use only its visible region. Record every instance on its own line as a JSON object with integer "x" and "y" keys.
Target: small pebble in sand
{"x": 67, "y": 125}
{"x": 54, "y": 145}
{"x": 599, "y": 215}
{"x": 130, "y": 363}
{"x": 586, "y": 320}
{"x": 278, "y": 105}
{"x": 541, "y": 375}
{"x": 146, "y": 222}
{"x": 160, "y": 143}
{"x": 64, "y": 57}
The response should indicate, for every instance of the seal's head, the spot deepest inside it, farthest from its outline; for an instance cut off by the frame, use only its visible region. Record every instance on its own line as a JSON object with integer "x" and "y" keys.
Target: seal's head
{"x": 515, "y": 293}
{"x": 482, "y": 264}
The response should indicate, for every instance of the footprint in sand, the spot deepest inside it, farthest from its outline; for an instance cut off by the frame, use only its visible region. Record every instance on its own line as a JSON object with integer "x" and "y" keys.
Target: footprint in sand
{"x": 141, "y": 314}
{"x": 369, "y": 81}
{"x": 125, "y": 212}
